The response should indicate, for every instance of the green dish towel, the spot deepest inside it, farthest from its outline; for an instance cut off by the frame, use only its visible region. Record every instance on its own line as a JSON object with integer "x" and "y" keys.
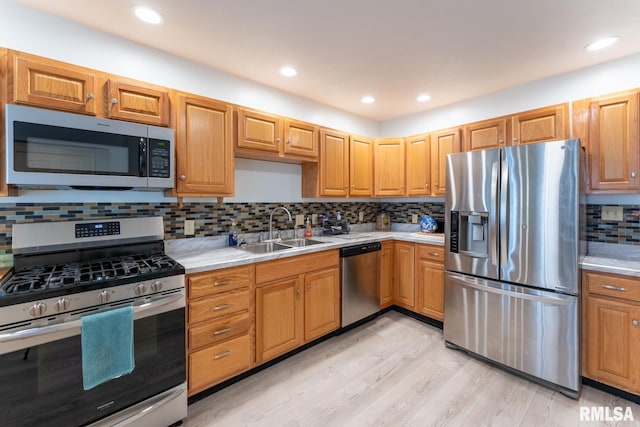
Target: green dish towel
{"x": 107, "y": 346}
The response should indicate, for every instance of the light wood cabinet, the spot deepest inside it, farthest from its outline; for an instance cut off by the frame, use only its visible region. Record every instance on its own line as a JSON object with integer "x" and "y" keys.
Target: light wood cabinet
{"x": 611, "y": 337}
{"x": 613, "y": 143}
{"x": 300, "y": 139}
{"x": 137, "y": 103}
{"x": 330, "y": 176}
{"x": 220, "y": 330}
{"x": 204, "y": 147}
{"x": 430, "y": 281}
{"x": 52, "y": 84}
{"x": 442, "y": 143}
{"x": 297, "y": 300}
{"x": 404, "y": 264}
{"x": 485, "y": 134}
{"x": 418, "y": 165}
{"x": 360, "y": 166}
{"x": 543, "y": 124}
{"x": 387, "y": 270}
{"x": 389, "y": 167}
{"x": 258, "y": 131}
{"x": 321, "y": 303}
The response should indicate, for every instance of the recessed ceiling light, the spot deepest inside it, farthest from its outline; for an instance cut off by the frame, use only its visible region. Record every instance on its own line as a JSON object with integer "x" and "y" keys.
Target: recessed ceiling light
{"x": 423, "y": 98}
{"x": 368, "y": 100}
{"x": 288, "y": 71}
{"x": 602, "y": 43}
{"x": 148, "y": 15}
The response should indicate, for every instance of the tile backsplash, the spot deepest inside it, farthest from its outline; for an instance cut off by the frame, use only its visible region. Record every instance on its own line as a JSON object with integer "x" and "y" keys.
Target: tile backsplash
{"x": 211, "y": 220}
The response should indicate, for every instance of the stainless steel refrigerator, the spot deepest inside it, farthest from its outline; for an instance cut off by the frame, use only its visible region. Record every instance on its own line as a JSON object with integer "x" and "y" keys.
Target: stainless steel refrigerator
{"x": 514, "y": 240}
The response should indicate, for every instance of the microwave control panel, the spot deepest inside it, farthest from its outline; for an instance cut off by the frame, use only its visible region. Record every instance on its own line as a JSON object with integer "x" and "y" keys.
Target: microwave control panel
{"x": 159, "y": 158}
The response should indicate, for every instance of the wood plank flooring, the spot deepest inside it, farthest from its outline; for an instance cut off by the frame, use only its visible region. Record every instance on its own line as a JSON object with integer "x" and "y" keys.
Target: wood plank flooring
{"x": 393, "y": 371}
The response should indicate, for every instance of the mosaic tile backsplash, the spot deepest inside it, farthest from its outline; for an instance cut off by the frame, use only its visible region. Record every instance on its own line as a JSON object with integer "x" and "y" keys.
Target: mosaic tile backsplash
{"x": 211, "y": 220}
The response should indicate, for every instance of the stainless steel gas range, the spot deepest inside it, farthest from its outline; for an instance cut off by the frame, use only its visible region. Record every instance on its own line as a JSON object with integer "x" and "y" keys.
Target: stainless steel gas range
{"x": 64, "y": 271}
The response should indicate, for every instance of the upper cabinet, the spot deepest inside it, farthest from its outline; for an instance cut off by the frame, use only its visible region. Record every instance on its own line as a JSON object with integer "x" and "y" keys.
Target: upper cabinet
{"x": 330, "y": 176}
{"x": 613, "y": 143}
{"x": 269, "y": 137}
{"x": 485, "y": 134}
{"x": 542, "y": 124}
{"x": 51, "y": 84}
{"x": 418, "y": 165}
{"x": 360, "y": 166}
{"x": 388, "y": 166}
{"x": 204, "y": 147}
{"x": 137, "y": 103}
{"x": 442, "y": 143}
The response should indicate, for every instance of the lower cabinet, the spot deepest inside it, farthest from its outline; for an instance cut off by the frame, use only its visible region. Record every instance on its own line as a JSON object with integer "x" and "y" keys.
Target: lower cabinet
{"x": 404, "y": 283}
{"x": 430, "y": 281}
{"x": 611, "y": 339}
{"x": 297, "y": 301}
{"x": 387, "y": 255}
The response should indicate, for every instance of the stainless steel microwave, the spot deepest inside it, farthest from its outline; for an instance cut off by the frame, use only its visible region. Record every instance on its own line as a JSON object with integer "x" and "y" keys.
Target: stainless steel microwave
{"x": 53, "y": 149}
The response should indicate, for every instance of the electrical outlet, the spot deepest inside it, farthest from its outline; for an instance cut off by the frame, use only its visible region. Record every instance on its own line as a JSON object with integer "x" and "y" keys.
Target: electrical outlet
{"x": 361, "y": 216}
{"x": 314, "y": 219}
{"x": 612, "y": 213}
{"x": 189, "y": 227}
{"x": 299, "y": 220}
{"x": 414, "y": 218}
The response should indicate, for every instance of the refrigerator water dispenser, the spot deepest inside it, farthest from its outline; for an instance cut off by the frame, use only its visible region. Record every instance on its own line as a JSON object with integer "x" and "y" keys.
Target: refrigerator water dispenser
{"x": 469, "y": 233}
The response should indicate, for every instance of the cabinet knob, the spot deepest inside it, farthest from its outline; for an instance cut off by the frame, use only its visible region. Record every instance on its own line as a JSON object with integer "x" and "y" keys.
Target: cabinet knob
{"x": 435, "y": 184}
{"x": 635, "y": 322}
{"x": 288, "y": 142}
{"x": 346, "y": 186}
{"x": 500, "y": 142}
{"x": 277, "y": 139}
{"x": 515, "y": 139}
{"x": 89, "y": 95}
{"x": 309, "y": 287}
{"x": 114, "y": 100}
{"x": 298, "y": 293}
{"x": 182, "y": 177}
{"x": 633, "y": 174}
{"x": 426, "y": 186}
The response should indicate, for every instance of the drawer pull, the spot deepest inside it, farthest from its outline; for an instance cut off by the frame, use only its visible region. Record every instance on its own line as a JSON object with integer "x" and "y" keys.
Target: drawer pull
{"x": 221, "y": 331}
{"x": 221, "y": 307}
{"x": 221, "y": 355}
{"x": 222, "y": 282}
{"x": 433, "y": 253}
{"x": 614, "y": 288}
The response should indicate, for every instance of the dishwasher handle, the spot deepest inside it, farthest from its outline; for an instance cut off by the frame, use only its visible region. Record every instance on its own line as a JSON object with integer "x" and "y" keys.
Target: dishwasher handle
{"x": 360, "y": 249}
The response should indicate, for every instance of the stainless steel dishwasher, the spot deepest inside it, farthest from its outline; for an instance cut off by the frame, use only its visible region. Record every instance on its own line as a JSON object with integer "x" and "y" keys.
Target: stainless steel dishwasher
{"x": 359, "y": 266}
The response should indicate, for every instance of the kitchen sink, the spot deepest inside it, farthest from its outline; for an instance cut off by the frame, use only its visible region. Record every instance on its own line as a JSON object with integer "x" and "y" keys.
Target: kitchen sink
{"x": 300, "y": 242}
{"x": 264, "y": 247}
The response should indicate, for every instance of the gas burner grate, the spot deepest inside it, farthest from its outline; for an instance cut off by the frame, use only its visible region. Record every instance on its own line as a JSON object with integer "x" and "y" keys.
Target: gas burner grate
{"x": 85, "y": 273}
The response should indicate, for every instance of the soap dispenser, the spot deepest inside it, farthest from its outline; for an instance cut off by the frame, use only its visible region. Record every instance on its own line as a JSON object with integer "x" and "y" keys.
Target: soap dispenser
{"x": 233, "y": 235}
{"x": 308, "y": 231}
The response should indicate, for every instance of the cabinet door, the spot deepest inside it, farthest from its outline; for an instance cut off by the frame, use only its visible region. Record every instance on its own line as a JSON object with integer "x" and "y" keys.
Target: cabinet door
{"x": 442, "y": 143}
{"x": 361, "y": 166}
{"x": 204, "y": 147}
{"x": 613, "y": 143}
{"x": 279, "y": 318}
{"x": 386, "y": 274}
{"x": 137, "y": 103}
{"x": 404, "y": 292}
{"x": 430, "y": 288}
{"x": 418, "y": 165}
{"x": 613, "y": 343}
{"x": 334, "y": 163}
{"x": 50, "y": 84}
{"x": 259, "y": 131}
{"x": 543, "y": 124}
{"x": 388, "y": 167}
{"x": 486, "y": 134}
{"x": 321, "y": 303}
{"x": 301, "y": 139}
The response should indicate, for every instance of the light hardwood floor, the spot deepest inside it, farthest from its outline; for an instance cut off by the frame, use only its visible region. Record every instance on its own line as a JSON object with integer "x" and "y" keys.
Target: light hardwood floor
{"x": 393, "y": 371}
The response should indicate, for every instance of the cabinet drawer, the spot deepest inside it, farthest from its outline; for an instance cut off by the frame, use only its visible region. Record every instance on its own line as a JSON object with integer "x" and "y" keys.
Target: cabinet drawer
{"x": 219, "y": 281}
{"x": 273, "y": 270}
{"x": 219, "y": 305}
{"x": 218, "y": 330}
{"x": 434, "y": 253}
{"x": 219, "y": 362}
{"x": 613, "y": 286}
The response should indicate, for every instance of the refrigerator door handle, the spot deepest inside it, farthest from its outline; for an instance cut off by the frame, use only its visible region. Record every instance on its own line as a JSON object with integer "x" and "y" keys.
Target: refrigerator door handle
{"x": 504, "y": 211}
{"x": 492, "y": 221}
{"x": 491, "y": 288}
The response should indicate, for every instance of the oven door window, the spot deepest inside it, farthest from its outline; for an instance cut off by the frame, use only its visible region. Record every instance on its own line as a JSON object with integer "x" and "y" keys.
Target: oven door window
{"x": 42, "y": 385}
{"x": 53, "y": 149}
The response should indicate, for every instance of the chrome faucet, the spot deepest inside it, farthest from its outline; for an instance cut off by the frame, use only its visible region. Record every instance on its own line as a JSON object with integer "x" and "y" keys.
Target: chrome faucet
{"x": 271, "y": 218}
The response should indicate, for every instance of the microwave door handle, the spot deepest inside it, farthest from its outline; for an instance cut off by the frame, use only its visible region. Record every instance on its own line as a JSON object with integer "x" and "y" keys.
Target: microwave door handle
{"x": 142, "y": 157}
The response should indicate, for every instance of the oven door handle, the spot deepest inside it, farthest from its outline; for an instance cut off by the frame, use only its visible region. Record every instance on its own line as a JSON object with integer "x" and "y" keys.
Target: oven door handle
{"x": 13, "y": 341}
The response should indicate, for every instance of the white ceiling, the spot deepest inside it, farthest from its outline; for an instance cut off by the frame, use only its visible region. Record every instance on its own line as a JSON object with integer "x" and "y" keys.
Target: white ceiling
{"x": 393, "y": 50}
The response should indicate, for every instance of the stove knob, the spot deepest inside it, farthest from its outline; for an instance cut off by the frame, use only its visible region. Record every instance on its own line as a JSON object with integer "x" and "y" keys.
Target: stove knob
{"x": 156, "y": 286}
{"x": 38, "y": 309}
{"x": 104, "y": 297}
{"x": 140, "y": 290}
{"x": 62, "y": 304}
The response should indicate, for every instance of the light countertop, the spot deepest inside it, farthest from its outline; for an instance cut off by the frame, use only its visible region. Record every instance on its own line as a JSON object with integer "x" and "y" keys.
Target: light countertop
{"x": 612, "y": 258}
